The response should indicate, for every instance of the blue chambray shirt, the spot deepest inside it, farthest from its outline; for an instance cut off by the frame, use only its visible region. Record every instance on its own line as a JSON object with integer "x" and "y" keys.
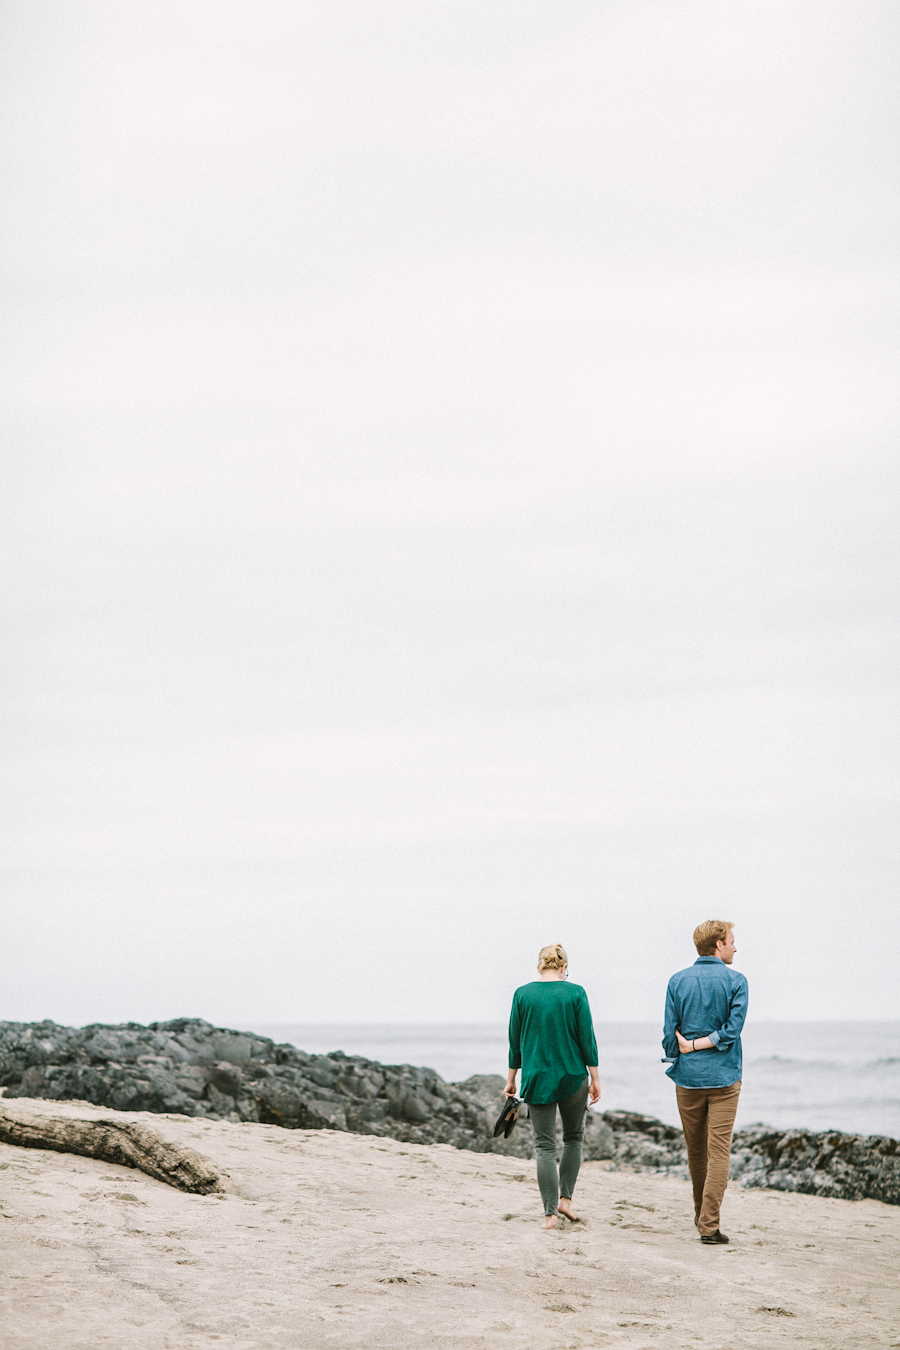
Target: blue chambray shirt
{"x": 707, "y": 999}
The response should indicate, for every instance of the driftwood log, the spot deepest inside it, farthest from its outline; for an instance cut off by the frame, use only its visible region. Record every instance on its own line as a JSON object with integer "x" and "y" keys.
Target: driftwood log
{"x": 125, "y": 1142}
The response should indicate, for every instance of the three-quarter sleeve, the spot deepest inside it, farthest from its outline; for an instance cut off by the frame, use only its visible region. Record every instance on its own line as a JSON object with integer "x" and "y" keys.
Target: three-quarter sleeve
{"x": 515, "y": 1034}
{"x": 584, "y": 1024}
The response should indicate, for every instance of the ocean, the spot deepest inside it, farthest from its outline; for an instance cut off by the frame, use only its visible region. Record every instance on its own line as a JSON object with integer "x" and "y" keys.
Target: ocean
{"x": 813, "y": 1075}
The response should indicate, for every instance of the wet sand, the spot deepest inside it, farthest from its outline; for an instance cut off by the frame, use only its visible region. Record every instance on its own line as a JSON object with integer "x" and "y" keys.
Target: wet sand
{"x": 326, "y": 1239}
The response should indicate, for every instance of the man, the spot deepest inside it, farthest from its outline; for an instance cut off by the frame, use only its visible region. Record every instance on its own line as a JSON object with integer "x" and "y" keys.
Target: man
{"x": 705, "y": 1010}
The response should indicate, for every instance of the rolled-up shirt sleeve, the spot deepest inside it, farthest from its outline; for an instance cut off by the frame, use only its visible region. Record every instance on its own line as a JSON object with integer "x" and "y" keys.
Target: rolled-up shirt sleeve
{"x": 515, "y": 1034}
{"x": 724, "y": 1037}
{"x": 670, "y": 1040}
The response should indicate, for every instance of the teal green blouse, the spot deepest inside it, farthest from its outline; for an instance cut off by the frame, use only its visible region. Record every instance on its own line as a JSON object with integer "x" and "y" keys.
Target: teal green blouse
{"x": 551, "y": 1039}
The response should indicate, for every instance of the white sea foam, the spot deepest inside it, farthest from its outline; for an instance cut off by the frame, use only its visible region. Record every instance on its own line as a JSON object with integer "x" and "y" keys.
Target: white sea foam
{"x": 816, "y": 1075}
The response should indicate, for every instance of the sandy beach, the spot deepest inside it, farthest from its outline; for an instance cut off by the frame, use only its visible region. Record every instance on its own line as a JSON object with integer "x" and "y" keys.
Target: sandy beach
{"x": 330, "y": 1239}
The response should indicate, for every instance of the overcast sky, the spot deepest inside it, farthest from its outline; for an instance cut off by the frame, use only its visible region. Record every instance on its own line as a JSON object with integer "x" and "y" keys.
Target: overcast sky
{"x": 449, "y": 504}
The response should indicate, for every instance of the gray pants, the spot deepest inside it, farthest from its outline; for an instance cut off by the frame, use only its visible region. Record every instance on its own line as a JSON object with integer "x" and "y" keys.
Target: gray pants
{"x": 553, "y": 1182}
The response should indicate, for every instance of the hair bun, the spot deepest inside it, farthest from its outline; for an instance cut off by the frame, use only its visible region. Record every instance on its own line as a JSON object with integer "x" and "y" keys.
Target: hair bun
{"x": 553, "y": 957}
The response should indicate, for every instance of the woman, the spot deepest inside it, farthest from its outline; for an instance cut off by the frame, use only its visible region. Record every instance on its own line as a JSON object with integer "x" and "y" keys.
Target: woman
{"x": 551, "y": 1038}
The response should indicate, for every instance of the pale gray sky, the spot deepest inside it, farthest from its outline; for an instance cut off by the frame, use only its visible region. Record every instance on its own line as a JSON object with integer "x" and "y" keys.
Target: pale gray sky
{"x": 450, "y": 504}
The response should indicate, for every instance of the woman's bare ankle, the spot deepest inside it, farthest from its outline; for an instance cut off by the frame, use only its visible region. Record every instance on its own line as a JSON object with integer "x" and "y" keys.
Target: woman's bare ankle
{"x": 549, "y": 1220}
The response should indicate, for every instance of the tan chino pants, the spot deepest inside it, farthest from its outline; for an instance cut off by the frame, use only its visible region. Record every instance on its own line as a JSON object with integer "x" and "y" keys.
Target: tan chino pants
{"x": 707, "y": 1116}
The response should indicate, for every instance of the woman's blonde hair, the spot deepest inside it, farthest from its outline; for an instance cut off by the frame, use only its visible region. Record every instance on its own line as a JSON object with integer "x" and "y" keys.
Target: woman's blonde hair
{"x": 552, "y": 957}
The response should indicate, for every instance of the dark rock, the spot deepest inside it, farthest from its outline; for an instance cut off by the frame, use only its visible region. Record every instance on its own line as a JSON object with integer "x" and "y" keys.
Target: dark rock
{"x": 846, "y": 1166}
{"x": 645, "y": 1144}
{"x": 225, "y": 1078}
{"x": 189, "y": 1067}
{"x": 630, "y": 1122}
{"x": 194, "y": 1069}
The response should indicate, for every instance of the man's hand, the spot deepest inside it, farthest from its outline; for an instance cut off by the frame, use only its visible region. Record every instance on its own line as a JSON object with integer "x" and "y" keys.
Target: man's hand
{"x": 699, "y": 1043}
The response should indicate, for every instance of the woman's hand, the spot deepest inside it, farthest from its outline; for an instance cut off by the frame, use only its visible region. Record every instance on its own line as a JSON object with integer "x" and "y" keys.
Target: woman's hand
{"x": 510, "y": 1089}
{"x": 594, "y": 1089}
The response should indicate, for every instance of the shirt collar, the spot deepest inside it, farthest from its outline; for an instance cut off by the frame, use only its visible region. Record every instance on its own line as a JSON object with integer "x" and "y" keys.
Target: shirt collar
{"x": 701, "y": 959}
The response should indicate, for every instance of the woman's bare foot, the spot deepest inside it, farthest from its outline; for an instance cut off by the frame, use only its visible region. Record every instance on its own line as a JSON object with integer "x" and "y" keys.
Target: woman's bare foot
{"x": 549, "y": 1220}
{"x": 565, "y": 1207}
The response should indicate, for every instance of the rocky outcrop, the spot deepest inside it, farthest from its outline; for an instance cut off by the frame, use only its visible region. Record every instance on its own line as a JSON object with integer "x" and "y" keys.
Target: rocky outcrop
{"x": 645, "y": 1144}
{"x": 845, "y": 1166}
{"x": 191, "y": 1068}
{"x": 194, "y": 1069}
{"x": 127, "y": 1143}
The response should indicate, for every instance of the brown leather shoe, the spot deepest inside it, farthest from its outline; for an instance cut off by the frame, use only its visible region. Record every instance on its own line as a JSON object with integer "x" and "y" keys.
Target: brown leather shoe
{"x": 713, "y": 1239}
